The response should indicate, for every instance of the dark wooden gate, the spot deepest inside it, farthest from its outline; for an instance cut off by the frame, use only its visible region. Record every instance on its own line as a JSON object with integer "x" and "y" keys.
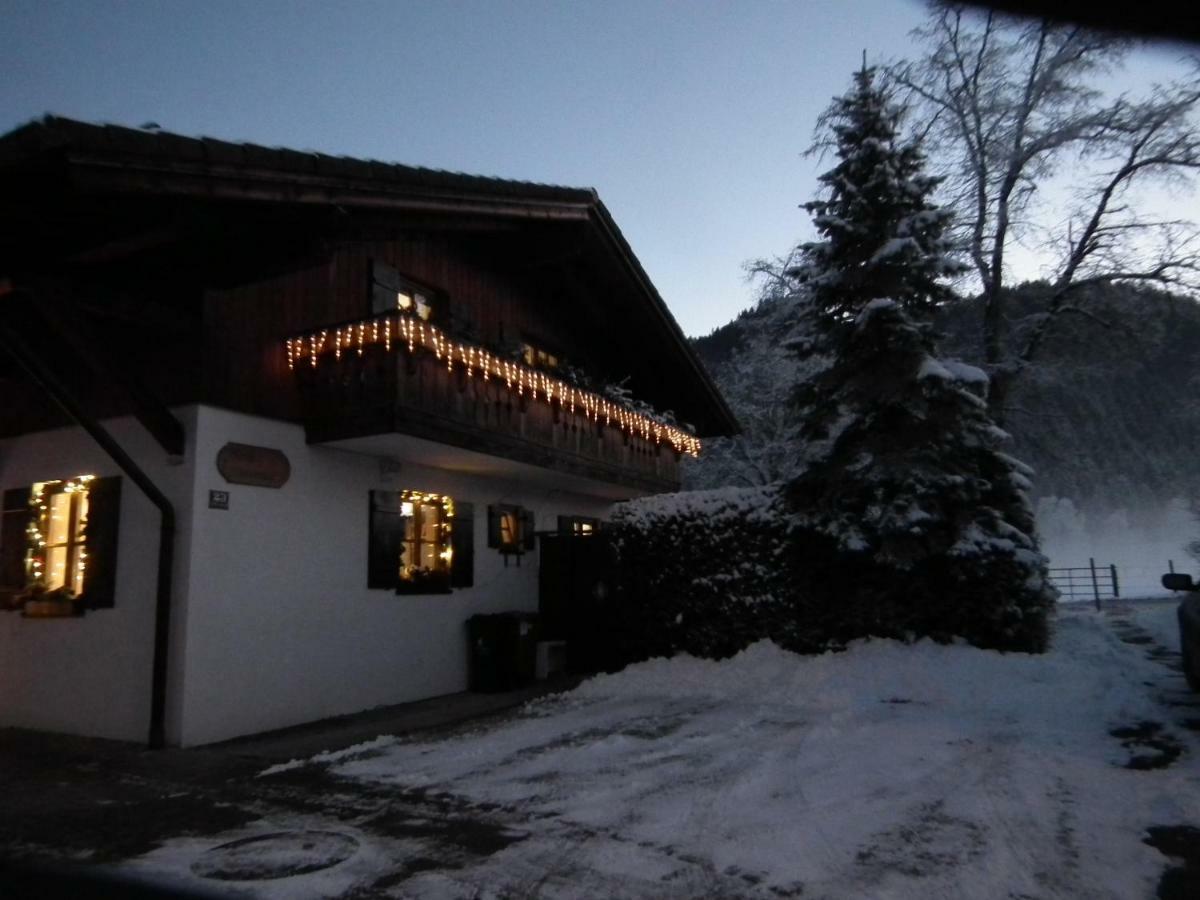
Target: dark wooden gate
{"x": 576, "y": 584}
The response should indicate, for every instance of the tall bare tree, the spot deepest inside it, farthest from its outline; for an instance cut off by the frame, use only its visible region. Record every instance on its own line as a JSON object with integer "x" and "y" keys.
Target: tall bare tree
{"x": 1011, "y": 107}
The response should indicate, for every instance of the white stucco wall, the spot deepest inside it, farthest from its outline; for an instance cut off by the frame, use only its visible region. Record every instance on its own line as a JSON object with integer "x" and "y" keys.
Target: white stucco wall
{"x": 91, "y": 675}
{"x": 281, "y": 628}
{"x": 272, "y": 622}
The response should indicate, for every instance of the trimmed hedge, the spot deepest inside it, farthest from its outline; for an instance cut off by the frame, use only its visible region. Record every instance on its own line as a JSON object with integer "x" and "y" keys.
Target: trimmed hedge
{"x": 710, "y": 572}
{"x": 701, "y": 572}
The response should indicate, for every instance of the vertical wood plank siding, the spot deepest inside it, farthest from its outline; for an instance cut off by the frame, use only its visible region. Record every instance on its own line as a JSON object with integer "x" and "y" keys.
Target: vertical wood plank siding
{"x": 245, "y": 327}
{"x": 379, "y": 392}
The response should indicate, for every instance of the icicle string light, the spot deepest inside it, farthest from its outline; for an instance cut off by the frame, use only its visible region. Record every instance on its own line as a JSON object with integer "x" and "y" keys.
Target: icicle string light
{"x": 413, "y": 333}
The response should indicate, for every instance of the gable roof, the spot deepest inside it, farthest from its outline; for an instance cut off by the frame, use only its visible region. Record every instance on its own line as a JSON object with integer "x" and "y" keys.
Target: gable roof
{"x": 111, "y": 158}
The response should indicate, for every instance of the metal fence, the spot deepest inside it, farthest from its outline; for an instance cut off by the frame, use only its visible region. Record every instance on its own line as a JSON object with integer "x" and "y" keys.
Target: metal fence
{"x": 1090, "y": 582}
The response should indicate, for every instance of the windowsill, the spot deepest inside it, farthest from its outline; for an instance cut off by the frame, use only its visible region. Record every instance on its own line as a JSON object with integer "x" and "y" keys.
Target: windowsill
{"x": 51, "y": 609}
{"x": 434, "y": 585}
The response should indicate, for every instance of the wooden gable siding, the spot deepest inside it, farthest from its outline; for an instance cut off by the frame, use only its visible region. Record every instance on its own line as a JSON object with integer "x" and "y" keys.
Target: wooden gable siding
{"x": 245, "y": 365}
{"x": 162, "y": 354}
{"x": 500, "y": 305}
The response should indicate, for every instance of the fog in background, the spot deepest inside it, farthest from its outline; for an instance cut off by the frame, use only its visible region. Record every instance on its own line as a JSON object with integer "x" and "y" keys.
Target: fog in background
{"x": 1140, "y": 542}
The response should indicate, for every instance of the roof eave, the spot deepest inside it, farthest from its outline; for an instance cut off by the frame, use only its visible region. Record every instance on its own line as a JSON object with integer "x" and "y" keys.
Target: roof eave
{"x": 118, "y": 159}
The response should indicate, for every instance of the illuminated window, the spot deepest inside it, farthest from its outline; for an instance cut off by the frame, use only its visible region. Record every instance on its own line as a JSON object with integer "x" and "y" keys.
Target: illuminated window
{"x": 511, "y": 529}
{"x": 58, "y": 545}
{"x": 57, "y": 553}
{"x": 419, "y": 542}
{"x": 579, "y": 526}
{"x": 425, "y": 552}
{"x": 537, "y": 358}
{"x": 391, "y": 291}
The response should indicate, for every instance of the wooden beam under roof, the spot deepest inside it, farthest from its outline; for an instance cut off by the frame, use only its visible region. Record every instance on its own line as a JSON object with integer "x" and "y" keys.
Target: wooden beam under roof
{"x": 61, "y": 319}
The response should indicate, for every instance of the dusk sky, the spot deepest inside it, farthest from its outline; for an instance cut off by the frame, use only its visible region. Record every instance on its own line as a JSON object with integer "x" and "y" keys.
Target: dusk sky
{"x": 689, "y": 118}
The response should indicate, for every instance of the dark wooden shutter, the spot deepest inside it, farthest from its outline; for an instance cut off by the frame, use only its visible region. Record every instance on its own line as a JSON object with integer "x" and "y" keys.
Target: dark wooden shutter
{"x": 101, "y": 540}
{"x": 14, "y": 523}
{"x": 462, "y": 540}
{"x": 495, "y": 513}
{"x": 385, "y": 540}
{"x": 527, "y": 536}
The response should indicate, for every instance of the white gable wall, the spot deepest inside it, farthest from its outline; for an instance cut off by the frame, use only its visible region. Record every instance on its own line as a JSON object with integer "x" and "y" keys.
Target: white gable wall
{"x": 91, "y": 675}
{"x": 272, "y": 622}
{"x": 282, "y": 627}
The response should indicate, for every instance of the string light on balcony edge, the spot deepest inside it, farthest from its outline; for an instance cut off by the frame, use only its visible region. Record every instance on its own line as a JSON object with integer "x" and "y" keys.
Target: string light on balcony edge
{"x": 411, "y": 332}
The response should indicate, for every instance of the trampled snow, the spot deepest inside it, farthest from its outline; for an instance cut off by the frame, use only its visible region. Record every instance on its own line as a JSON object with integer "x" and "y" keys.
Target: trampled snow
{"x": 888, "y": 770}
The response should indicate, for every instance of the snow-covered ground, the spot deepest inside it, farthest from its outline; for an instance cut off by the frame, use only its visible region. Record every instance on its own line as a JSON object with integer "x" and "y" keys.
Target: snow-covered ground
{"x": 884, "y": 771}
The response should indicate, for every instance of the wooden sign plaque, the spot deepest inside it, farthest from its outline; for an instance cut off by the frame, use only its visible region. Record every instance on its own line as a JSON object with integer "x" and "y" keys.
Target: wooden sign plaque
{"x": 257, "y": 466}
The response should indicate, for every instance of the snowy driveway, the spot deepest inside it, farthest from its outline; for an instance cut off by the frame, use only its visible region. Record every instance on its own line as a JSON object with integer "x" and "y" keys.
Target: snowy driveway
{"x": 884, "y": 771}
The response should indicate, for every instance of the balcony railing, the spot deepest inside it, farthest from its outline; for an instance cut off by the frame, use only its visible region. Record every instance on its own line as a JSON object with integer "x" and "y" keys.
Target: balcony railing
{"x": 396, "y": 373}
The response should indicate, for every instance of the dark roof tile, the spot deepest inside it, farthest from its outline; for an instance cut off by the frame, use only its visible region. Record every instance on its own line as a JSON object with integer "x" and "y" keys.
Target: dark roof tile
{"x": 54, "y": 135}
{"x": 53, "y": 132}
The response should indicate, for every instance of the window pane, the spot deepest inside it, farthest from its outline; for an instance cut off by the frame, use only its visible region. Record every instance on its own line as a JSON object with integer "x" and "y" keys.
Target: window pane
{"x": 508, "y": 528}
{"x": 79, "y": 561}
{"x": 429, "y": 558}
{"x": 430, "y": 530}
{"x": 60, "y": 519}
{"x": 56, "y": 567}
{"x": 81, "y": 510}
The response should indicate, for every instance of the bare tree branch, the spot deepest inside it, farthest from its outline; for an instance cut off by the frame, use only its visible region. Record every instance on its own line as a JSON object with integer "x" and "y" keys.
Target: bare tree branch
{"x": 1006, "y": 107}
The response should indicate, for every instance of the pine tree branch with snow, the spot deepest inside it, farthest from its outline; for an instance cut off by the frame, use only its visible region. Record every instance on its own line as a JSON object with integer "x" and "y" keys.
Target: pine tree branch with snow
{"x": 908, "y": 517}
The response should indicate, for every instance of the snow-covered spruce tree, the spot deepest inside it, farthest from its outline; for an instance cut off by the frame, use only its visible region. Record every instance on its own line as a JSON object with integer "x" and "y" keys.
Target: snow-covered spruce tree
{"x": 882, "y": 236}
{"x": 909, "y": 520}
{"x": 913, "y": 522}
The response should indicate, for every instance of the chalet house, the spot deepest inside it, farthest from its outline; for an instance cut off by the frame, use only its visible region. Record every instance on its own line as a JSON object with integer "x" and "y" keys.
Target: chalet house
{"x": 274, "y": 425}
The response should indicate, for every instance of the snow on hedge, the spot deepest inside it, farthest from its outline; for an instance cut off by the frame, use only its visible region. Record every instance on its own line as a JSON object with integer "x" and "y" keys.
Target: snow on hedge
{"x": 719, "y": 507}
{"x": 702, "y": 572}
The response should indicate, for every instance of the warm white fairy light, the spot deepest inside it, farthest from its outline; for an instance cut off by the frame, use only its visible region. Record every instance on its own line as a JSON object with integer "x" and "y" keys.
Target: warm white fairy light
{"x": 39, "y": 526}
{"x": 410, "y": 503}
{"x": 475, "y": 361}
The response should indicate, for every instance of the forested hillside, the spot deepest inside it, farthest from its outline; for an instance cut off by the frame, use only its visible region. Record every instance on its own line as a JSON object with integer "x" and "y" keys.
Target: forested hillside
{"x": 1110, "y": 419}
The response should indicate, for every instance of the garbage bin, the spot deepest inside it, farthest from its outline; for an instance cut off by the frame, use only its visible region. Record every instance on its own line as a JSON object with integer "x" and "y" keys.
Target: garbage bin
{"x": 503, "y": 651}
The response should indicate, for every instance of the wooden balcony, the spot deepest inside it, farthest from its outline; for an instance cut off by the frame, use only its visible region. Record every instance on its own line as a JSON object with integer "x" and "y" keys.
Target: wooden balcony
{"x": 375, "y": 387}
